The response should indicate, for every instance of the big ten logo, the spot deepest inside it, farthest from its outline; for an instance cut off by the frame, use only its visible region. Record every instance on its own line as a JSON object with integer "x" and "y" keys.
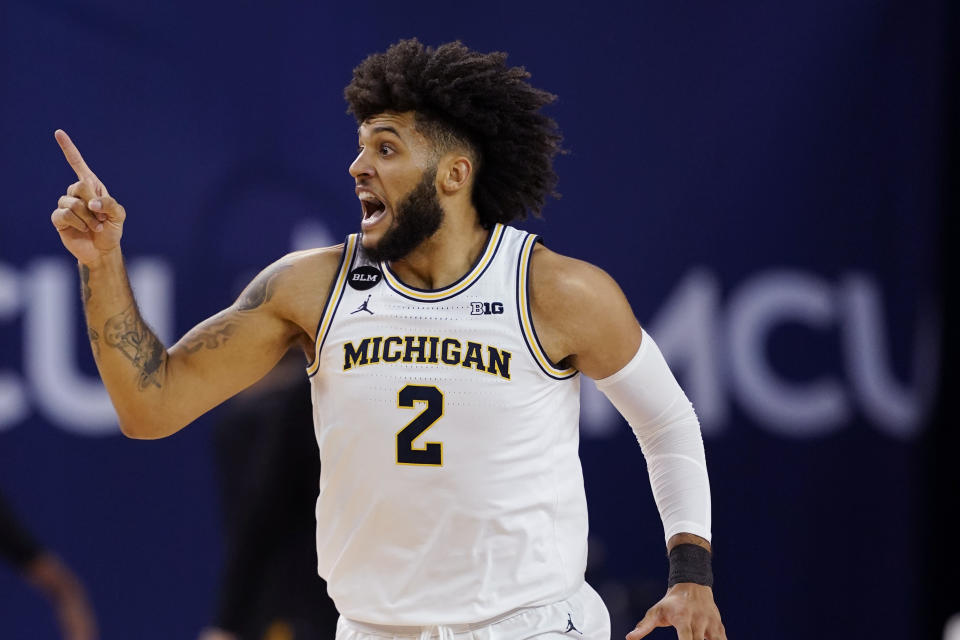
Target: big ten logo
{"x": 842, "y": 368}
{"x": 486, "y": 308}
{"x": 45, "y": 296}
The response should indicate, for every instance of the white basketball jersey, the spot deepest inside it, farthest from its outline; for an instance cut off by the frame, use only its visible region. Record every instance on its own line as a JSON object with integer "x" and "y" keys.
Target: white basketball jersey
{"x": 451, "y": 490}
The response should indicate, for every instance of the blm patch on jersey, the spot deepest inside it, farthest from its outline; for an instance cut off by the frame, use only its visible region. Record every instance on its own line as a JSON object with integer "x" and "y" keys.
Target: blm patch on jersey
{"x": 364, "y": 277}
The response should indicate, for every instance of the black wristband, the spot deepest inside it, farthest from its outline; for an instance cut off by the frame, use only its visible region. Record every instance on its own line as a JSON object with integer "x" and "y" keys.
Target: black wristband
{"x": 690, "y": 563}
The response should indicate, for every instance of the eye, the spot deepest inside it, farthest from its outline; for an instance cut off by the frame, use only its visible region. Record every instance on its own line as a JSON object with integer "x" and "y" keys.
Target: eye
{"x": 386, "y": 150}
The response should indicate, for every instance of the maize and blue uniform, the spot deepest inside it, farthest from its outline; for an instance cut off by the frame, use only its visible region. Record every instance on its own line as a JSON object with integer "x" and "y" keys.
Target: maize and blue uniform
{"x": 451, "y": 491}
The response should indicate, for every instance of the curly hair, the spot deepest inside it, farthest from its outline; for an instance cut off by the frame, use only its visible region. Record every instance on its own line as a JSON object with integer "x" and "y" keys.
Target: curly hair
{"x": 462, "y": 98}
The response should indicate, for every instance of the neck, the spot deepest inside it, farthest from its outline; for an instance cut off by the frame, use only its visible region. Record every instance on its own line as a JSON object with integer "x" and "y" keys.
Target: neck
{"x": 444, "y": 257}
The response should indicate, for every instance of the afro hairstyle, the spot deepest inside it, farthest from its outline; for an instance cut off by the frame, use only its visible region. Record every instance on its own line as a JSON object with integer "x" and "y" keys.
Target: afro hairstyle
{"x": 464, "y": 98}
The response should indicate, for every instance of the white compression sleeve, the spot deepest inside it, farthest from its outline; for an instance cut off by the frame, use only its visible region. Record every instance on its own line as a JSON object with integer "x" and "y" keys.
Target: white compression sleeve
{"x": 645, "y": 392}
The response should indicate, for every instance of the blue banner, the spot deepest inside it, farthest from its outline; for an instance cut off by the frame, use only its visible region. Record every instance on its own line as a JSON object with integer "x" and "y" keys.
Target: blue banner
{"x": 763, "y": 181}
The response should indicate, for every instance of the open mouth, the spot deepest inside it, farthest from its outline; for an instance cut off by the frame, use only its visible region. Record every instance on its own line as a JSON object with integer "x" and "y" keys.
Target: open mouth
{"x": 373, "y": 208}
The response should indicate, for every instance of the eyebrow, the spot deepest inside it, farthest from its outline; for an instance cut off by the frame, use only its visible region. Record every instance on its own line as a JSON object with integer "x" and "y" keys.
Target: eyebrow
{"x": 383, "y": 127}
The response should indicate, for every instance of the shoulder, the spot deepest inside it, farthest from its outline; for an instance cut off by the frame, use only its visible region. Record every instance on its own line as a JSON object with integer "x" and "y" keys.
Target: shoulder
{"x": 561, "y": 283}
{"x": 306, "y": 270}
{"x": 290, "y": 276}
{"x": 295, "y": 287}
{"x": 583, "y": 311}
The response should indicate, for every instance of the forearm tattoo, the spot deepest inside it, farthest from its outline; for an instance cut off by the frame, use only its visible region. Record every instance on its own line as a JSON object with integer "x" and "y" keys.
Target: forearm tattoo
{"x": 86, "y": 292}
{"x": 94, "y": 341}
{"x": 85, "y": 283}
{"x": 129, "y": 334}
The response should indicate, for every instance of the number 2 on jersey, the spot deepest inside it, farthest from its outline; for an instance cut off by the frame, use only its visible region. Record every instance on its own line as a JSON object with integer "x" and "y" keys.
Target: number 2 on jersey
{"x": 432, "y": 452}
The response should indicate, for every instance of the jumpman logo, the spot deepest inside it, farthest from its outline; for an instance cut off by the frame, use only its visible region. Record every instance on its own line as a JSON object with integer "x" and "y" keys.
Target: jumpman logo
{"x": 570, "y": 626}
{"x": 363, "y": 307}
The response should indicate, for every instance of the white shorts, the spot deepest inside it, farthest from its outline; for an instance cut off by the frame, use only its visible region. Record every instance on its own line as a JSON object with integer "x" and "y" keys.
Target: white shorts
{"x": 582, "y": 616}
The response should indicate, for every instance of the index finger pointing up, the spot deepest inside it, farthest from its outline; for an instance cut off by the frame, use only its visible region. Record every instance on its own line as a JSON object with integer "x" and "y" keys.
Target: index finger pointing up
{"x": 72, "y": 155}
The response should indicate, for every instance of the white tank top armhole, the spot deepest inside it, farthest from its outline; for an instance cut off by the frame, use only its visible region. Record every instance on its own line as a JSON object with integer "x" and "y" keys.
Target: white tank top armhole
{"x": 525, "y": 316}
{"x": 333, "y": 299}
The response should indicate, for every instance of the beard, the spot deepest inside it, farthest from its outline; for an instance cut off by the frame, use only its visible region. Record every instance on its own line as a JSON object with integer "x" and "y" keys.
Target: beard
{"x": 416, "y": 218}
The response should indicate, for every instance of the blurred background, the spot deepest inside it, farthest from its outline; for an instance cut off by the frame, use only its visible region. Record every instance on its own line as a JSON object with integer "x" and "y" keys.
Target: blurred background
{"x": 774, "y": 185}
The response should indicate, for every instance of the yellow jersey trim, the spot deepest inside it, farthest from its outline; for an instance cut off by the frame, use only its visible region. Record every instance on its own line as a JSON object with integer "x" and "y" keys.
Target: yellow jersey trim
{"x": 526, "y": 319}
{"x": 493, "y": 243}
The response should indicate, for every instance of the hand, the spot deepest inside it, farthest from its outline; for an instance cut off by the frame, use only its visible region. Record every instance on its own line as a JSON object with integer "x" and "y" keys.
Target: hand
{"x": 690, "y": 609}
{"x": 89, "y": 221}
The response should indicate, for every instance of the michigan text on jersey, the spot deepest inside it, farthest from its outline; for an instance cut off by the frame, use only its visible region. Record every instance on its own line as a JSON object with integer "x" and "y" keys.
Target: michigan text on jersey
{"x": 427, "y": 350}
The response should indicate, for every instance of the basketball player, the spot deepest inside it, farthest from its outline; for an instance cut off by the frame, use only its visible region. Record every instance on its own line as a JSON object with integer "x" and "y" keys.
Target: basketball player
{"x": 444, "y": 352}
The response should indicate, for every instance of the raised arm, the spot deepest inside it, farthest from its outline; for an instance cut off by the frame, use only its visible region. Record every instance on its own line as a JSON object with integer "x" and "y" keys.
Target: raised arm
{"x": 585, "y": 321}
{"x": 157, "y": 391}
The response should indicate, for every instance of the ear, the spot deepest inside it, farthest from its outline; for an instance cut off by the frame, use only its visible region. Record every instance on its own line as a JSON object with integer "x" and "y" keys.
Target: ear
{"x": 454, "y": 173}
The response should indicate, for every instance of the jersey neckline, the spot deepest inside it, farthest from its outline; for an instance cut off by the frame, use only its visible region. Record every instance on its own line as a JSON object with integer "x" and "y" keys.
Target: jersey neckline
{"x": 459, "y": 286}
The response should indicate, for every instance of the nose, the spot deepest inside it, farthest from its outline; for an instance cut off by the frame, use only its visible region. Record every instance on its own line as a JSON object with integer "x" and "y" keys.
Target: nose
{"x": 361, "y": 166}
